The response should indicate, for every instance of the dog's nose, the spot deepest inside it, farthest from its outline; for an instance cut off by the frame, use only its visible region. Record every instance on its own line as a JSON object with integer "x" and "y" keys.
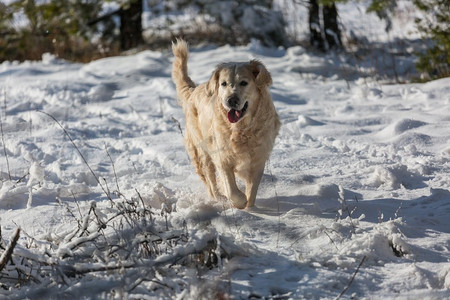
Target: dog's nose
{"x": 233, "y": 101}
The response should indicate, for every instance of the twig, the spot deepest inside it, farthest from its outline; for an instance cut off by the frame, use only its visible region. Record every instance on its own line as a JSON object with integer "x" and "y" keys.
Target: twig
{"x": 114, "y": 169}
{"x": 9, "y": 250}
{"x": 72, "y": 245}
{"x": 143, "y": 206}
{"x": 278, "y": 203}
{"x": 344, "y": 205}
{"x": 108, "y": 191}
{"x": 23, "y": 177}
{"x": 350, "y": 216}
{"x": 4, "y": 102}
{"x": 4, "y": 147}
{"x": 331, "y": 239}
{"x": 78, "y": 150}
{"x": 351, "y": 279}
{"x": 69, "y": 211}
{"x": 398, "y": 210}
{"x": 78, "y": 205}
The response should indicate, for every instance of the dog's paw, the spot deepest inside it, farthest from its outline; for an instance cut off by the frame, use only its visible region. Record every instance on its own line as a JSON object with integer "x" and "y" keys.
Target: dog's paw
{"x": 238, "y": 199}
{"x": 250, "y": 205}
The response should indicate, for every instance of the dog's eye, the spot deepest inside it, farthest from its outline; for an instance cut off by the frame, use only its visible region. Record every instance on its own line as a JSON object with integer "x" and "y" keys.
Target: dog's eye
{"x": 224, "y": 83}
{"x": 243, "y": 83}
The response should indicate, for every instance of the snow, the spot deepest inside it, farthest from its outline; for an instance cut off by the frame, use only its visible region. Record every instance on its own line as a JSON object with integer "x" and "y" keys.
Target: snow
{"x": 359, "y": 174}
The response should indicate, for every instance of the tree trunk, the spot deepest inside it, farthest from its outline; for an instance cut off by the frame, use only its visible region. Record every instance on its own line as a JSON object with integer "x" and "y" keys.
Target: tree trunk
{"x": 315, "y": 32}
{"x": 131, "y": 25}
{"x": 330, "y": 24}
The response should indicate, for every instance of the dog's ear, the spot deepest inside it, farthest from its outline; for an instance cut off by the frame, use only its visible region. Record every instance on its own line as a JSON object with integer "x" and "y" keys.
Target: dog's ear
{"x": 213, "y": 83}
{"x": 262, "y": 76}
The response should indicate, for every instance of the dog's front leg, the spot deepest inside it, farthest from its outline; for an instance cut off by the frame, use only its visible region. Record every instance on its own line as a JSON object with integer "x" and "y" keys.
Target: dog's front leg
{"x": 252, "y": 184}
{"x": 237, "y": 197}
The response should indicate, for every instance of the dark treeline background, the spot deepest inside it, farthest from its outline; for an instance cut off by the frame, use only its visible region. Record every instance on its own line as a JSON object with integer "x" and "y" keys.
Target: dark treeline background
{"x": 84, "y": 30}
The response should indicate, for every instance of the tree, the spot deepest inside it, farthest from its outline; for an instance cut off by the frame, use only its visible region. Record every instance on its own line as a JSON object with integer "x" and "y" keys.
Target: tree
{"x": 315, "y": 30}
{"x": 330, "y": 24}
{"x": 324, "y": 35}
{"x": 6, "y": 32}
{"x": 131, "y": 25}
{"x": 130, "y": 14}
{"x": 56, "y": 26}
{"x": 435, "y": 24}
{"x": 435, "y": 27}
{"x": 69, "y": 29}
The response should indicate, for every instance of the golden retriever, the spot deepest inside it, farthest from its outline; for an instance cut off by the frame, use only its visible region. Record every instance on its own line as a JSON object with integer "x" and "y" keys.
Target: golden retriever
{"x": 231, "y": 124}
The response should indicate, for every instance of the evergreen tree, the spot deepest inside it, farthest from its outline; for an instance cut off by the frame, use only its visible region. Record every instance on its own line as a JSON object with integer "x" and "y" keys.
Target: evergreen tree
{"x": 435, "y": 27}
{"x": 435, "y": 61}
{"x": 6, "y": 33}
{"x": 56, "y": 26}
{"x": 383, "y": 9}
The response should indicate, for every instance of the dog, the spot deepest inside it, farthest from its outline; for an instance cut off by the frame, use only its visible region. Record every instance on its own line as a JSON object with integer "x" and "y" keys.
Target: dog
{"x": 231, "y": 124}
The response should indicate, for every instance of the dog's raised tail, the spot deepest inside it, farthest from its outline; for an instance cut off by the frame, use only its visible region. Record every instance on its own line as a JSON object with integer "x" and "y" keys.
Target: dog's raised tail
{"x": 180, "y": 76}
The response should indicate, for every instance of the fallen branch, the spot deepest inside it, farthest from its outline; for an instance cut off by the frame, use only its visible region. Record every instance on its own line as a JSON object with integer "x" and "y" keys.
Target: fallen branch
{"x": 9, "y": 250}
{"x": 179, "y": 253}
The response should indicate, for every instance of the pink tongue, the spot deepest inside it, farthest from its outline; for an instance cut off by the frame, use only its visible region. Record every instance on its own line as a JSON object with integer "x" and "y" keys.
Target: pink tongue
{"x": 234, "y": 115}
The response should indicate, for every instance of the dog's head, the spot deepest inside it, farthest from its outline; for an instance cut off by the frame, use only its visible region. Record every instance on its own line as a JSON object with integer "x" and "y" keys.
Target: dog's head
{"x": 238, "y": 86}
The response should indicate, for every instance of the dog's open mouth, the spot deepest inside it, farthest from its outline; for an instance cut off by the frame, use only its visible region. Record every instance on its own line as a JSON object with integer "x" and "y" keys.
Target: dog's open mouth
{"x": 235, "y": 115}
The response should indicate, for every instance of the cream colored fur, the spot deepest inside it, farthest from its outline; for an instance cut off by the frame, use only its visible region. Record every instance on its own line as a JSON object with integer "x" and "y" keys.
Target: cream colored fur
{"x": 217, "y": 146}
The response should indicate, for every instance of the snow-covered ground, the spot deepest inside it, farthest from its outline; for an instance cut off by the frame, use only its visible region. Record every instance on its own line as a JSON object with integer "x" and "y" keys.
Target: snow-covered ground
{"x": 359, "y": 173}
{"x": 355, "y": 199}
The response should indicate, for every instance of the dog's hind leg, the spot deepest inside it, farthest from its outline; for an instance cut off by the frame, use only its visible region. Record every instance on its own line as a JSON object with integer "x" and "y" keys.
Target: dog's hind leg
{"x": 205, "y": 169}
{"x": 210, "y": 176}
